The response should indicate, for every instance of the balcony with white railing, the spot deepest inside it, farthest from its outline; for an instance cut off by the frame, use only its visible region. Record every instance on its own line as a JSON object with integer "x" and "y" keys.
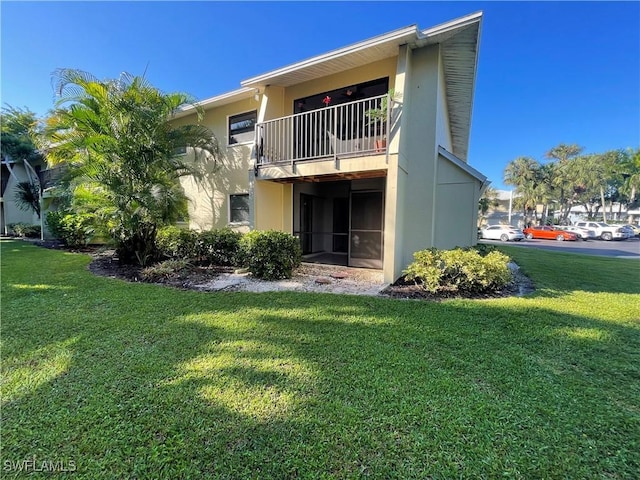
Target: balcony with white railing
{"x": 346, "y": 131}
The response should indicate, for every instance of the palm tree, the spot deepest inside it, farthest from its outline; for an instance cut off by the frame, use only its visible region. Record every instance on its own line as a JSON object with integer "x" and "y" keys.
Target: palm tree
{"x": 562, "y": 181}
{"x": 524, "y": 174}
{"x": 116, "y": 138}
{"x": 629, "y": 168}
{"x": 27, "y": 197}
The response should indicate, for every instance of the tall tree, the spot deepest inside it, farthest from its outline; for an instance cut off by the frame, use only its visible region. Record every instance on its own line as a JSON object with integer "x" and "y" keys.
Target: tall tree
{"x": 17, "y": 126}
{"x": 116, "y": 137}
{"x": 563, "y": 181}
{"x": 524, "y": 174}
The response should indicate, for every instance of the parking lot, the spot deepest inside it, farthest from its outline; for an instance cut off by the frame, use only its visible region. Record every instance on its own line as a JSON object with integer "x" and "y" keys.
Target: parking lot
{"x": 629, "y": 248}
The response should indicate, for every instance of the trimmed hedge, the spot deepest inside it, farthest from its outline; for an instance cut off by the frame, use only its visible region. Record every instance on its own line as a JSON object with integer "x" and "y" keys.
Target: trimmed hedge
{"x": 212, "y": 247}
{"x": 177, "y": 243}
{"x": 270, "y": 254}
{"x": 219, "y": 247}
{"x": 459, "y": 270}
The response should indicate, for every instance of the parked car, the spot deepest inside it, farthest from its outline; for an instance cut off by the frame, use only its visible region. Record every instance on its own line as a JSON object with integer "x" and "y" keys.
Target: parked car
{"x": 502, "y": 232}
{"x": 548, "y": 233}
{"x": 583, "y": 233}
{"x": 605, "y": 231}
{"x": 635, "y": 230}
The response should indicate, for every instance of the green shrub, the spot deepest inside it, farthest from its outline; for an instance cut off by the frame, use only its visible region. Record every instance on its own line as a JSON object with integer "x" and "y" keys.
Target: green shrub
{"x": 165, "y": 270}
{"x": 270, "y": 254}
{"x": 24, "y": 230}
{"x": 459, "y": 270}
{"x": 177, "y": 243}
{"x": 17, "y": 229}
{"x": 32, "y": 231}
{"x": 426, "y": 269}
{"x": 73, "y": 229}
{"x": 219, "y": 247}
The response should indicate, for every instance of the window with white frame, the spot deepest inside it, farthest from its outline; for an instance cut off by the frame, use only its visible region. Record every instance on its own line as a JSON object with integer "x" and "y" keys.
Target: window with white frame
{"x": 242, "y": 127}
{"x": 239, "y": 208}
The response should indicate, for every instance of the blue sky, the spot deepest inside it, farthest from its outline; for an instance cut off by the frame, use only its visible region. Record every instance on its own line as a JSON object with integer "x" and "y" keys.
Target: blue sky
{"x": 548, "y": 73}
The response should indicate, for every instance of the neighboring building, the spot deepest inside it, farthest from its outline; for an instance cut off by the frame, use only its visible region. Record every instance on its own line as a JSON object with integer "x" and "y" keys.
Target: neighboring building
{"x": 305, "y": 155}
{"x": 504, "y": 211}
{"x": 11, "y": 174}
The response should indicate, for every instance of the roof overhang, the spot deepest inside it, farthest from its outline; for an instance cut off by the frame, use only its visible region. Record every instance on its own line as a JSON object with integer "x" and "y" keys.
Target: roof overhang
{"x": 217, "y": 101}
{"x": 482, "y": 179}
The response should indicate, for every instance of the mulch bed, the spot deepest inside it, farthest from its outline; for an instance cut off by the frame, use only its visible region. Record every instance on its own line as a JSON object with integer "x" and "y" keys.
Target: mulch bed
{"x": 106, "y": 264}
{"x": 402, "y": 288}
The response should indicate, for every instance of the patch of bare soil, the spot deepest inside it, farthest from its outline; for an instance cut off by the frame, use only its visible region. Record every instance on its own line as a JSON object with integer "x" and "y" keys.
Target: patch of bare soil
{"x": 307, "y": 278}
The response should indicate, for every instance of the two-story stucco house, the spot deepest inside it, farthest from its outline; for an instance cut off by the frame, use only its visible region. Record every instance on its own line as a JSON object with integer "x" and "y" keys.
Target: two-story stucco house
{"x": 361, "y": 152}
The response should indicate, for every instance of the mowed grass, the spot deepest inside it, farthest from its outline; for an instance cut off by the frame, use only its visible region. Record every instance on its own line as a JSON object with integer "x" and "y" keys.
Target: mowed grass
{"x": 141, "y": 381}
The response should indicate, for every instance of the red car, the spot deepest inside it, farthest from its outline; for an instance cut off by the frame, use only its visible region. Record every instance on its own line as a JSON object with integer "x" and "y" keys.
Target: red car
{"x": 548, "y": 233}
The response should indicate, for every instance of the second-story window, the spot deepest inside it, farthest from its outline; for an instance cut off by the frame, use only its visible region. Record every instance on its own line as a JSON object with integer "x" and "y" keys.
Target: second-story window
{"x": 242, "y": 127}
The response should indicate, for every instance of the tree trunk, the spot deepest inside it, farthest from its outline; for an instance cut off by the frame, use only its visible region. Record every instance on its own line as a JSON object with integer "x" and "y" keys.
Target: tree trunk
{"x": 604, "y": 205}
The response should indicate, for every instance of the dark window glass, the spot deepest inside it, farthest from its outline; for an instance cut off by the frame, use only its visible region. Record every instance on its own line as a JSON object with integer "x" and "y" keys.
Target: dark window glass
{"x": 339, "y": 96}
{"x": 180, "y": 151}
{"x": 241, "y": 127}
{"x": 239, "y": 208}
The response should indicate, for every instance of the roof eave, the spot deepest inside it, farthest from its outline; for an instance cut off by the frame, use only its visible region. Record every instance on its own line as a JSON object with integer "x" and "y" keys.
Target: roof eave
{"x": 217, "y": 101}
{"x": 401, "y": 35}
{"x": 482, "y": 179}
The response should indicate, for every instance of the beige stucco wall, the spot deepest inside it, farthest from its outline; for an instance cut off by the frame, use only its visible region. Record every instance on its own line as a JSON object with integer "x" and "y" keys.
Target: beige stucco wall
{"x": 209, "y": 197}
{"x": 273, "y": 207}
{"x": 272, "y": 104}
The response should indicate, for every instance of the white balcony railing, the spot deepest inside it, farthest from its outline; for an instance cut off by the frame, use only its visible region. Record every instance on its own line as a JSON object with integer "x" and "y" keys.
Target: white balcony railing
{"x": 333, "y": 132}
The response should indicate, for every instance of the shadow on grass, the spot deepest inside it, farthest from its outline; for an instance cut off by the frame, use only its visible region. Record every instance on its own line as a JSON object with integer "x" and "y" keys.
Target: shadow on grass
{"x": 162, "y": 383}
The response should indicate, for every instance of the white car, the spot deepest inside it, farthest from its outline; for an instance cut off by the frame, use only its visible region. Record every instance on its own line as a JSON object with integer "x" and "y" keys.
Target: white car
{"x": 604, "y": 231}
{"x": 502, "y": 232}
{"x": 581, "y": 232}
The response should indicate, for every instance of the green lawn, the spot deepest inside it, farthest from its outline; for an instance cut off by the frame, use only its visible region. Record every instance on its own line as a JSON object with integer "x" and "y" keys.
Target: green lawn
{"x": 140, "y": 381}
